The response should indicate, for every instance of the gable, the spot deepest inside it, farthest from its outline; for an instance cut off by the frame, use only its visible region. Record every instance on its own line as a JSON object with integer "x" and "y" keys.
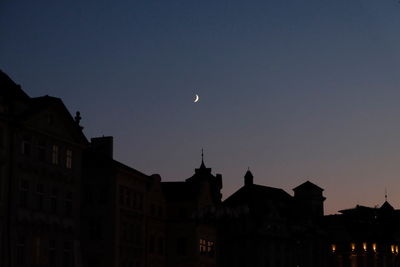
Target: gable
{"x": 52, "y": 118}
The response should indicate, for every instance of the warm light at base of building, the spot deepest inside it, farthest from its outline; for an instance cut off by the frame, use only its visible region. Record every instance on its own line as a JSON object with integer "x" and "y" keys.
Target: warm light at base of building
{"x": 392, "y": 248}
{"x": 365, "y": 246}
{"x": 374, "y": 247}
{"x": 333, "y": 246}
{"x": 353, "y": 247}
{"x": 397, "y": 249}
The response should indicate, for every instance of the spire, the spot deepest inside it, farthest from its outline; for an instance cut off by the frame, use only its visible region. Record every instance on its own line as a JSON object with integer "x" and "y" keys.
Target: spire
{"x": 202, "y": 166}
{"x": 202, "y": 169}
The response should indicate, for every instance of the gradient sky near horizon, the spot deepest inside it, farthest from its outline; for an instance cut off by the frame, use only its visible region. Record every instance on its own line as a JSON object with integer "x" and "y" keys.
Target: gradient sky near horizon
{"x": 295, "y": 90}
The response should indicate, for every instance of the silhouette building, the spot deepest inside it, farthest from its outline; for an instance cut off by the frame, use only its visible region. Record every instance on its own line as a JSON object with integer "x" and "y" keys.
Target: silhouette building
{"x": 41, "y": 149}
{"x": 66, "y": 202}
{"x": 364, "y": 236}
{"x": 192, "y": 239}
{"x": 123, "y": 212}
{"x": 265, "y": 226}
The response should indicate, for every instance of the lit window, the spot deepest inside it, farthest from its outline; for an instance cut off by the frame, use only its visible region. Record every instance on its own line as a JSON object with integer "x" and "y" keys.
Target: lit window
{"x": 374, "y": 247}
{"x": 54, "y": 158}
{"x": 397, "y": 249}
{"x": 69, "y": 159}
{"x": 353, "y": 247}
{"x": 392, "y": 248}
{"x": 365, "y": 246}
{"x": 203, "y": 247}
{"x": 333, "y": 246}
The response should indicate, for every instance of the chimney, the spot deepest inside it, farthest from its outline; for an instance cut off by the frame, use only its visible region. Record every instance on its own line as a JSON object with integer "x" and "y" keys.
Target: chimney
{"x": 102, "y": 146}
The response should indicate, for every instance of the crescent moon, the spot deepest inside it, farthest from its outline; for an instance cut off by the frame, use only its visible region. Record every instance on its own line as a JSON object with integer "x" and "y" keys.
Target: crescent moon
{"x": 196, "y": 99}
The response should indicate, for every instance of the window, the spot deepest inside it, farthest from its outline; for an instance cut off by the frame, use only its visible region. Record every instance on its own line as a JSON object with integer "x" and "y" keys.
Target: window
{"x": 26, "y": 147}
{"x": 52, "y": 252}
{"x": 23, "y": 194}
{"x": 207, "y": 247}
{"x": 39, "y": 196}
{"x": 67, "y": 254}
{"x": 20, "y": 251}
{"x": 203, "y": 247}
{"x": 68, "y": 162}
{"x": 54, "y": 155}
{"x": 68, "y": 204}
{"x": 53, "y": 200}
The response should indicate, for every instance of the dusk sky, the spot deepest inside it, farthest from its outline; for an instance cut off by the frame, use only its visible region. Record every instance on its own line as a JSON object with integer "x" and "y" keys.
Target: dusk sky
{"x": 295, "y": 90}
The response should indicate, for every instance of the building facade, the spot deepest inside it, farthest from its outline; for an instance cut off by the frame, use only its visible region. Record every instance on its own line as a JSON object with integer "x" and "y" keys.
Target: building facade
{"x": 263, "y": 226}
{"x": 123, "y": 212}
{"x": 40, "y": 177}
{"x": 66, "y": 202}
{"x": 364, "y": 237}
{"x": 192, "y": 239}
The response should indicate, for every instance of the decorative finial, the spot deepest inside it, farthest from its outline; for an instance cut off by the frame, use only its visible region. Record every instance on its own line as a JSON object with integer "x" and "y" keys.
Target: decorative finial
{"x": 78, "y": 117}
{"x": 202, "y": 159}
{"x": 385, "y": 194}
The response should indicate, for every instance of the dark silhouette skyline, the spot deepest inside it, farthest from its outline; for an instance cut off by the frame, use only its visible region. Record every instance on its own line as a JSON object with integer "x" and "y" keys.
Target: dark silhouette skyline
{"x": 65, "y": 201}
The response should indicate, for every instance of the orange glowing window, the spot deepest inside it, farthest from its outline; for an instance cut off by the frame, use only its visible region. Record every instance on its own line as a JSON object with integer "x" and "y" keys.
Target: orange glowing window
{"x": 392, "y": 247}
{"x": 397, "y": 249}
{"x": 353, "y": 246}
{"x": 333, "y": 246}
{"x": 374, "y": 247}
{"x": 365, "y": 246}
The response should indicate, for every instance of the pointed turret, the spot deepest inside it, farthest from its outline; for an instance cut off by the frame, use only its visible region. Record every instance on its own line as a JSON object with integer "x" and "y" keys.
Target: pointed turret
{"x": 202, "y": 169}
{"x": 248, "y": 178}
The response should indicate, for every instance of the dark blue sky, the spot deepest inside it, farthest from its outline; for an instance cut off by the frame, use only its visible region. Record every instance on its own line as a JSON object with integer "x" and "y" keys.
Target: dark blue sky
{"x": 297, "y": 90}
